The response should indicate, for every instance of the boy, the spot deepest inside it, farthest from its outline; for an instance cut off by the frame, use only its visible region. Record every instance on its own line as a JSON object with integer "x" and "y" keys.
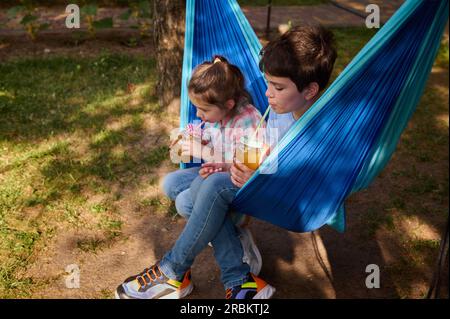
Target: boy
{"x": 297, "y": 67}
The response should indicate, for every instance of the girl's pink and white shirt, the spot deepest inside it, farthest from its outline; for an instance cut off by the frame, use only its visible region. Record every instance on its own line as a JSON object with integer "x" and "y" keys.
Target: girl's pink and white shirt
{"x": 225, "y": 135}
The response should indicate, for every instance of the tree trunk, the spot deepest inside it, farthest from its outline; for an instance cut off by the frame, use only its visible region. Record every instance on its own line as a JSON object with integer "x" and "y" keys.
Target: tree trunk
{"x": 168, "y": 26}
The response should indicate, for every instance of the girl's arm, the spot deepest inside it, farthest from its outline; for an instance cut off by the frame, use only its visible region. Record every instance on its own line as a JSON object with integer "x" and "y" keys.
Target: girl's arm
{"x": 211, "y": 168}
{"x": 196, "y": 149}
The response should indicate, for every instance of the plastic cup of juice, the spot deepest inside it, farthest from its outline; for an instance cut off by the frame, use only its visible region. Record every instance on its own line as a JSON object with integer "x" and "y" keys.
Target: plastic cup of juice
{"x": 249, "y": 152}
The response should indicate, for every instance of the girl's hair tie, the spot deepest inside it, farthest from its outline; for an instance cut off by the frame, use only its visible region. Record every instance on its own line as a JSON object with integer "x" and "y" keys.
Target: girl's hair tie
{"x": 216, "y": 60}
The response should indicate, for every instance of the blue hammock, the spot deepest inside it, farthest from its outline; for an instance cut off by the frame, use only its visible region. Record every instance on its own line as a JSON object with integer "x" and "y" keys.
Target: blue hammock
{"x": 347, "y": 137}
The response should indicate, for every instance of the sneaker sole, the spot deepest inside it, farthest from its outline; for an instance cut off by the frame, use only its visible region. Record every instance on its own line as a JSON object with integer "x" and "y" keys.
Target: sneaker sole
{"x": 265, "y": 293}
{"x": 177, "y": 294}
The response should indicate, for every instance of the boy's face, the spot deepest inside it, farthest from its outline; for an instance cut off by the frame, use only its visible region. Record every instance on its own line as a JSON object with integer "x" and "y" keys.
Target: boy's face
{"x": 284, "y": 96}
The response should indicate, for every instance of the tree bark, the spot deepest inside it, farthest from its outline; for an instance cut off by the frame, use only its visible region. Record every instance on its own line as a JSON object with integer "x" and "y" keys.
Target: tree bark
{"x": 168, "y": 26}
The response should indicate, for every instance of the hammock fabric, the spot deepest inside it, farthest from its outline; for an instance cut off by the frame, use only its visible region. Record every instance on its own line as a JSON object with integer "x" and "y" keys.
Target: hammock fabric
{"x": 347, "y": 137}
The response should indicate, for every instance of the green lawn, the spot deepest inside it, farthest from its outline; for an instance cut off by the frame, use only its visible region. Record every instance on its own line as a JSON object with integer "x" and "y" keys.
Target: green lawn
{"x": 70, "y": 129}
{"x": 59, "y": 146}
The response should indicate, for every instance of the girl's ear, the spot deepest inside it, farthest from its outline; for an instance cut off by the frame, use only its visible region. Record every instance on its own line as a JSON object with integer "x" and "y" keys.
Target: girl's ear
{"x": 311, "y": 91}
{"x": 230, "y": 104}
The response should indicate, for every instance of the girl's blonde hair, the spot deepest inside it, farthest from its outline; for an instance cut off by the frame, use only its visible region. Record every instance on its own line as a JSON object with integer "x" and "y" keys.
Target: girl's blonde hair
{"x": 218, "y": 81}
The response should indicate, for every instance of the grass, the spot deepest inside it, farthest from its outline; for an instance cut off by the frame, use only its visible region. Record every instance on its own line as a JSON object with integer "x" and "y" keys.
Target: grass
{"x": 416, "y": 179}
{"x": 91, "y": 245}
{"x": 68, "y": 127}
{"x": 374, "y": 220}
{"x": 349, "y": 42}
{"x": 413, "y": 264}
{"x": 159, "y": 204}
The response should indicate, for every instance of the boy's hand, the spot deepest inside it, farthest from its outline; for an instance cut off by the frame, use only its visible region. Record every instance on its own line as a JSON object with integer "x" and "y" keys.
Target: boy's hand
{"x": 211, "y": 168}
{"x": 240, "y": 174}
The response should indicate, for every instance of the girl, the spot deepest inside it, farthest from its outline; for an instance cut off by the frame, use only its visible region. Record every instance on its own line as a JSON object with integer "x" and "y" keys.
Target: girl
{"x": 217, "y": 91}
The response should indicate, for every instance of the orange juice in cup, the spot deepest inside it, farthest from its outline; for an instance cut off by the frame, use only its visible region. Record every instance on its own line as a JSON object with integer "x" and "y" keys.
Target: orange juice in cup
{"x": 250, "y": 152}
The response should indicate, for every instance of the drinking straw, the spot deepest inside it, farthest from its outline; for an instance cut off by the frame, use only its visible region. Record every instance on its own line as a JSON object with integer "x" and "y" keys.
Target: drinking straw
{"x": 180, "y": 137}
{"x": 259, "y": 124}
{"x": 198, "y": 126}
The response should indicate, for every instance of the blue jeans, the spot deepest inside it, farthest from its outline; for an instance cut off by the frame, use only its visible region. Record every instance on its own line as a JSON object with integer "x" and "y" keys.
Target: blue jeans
{"x": 205, "y": 204}
{"x": 176, "y": 186}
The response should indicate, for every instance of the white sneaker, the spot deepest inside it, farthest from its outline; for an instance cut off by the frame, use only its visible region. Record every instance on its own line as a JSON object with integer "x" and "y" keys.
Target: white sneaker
{"x": 153, "y": 284}
{"x": 252, "y": 256}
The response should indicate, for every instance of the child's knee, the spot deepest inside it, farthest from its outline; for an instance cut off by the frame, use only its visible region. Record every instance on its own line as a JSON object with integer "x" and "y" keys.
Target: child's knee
{"x": 216, "y": 188}
{"x": 195, "y": 187}
{"x": 181, "y": 208}
{"x": 184, "y": 204}
{"x": 170, "y": 185}
{"x": 217, "y": 182}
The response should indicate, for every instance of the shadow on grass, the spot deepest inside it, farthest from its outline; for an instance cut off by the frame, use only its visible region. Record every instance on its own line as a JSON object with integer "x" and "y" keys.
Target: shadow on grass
{"x": 71, "y": 128}
{"x": 46, "y": 97}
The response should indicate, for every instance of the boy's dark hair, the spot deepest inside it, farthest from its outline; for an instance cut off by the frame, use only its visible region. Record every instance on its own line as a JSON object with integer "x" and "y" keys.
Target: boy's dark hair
{"x": 305, "y": 54}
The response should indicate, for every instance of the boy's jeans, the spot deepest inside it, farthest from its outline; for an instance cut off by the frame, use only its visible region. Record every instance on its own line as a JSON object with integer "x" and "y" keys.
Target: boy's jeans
{"x": 205, "y": 203}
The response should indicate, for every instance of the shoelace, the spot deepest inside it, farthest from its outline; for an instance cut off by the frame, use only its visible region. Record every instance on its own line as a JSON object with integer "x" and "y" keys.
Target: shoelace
{"x": 229, "y": 293}
{"x": 146, "y": 272}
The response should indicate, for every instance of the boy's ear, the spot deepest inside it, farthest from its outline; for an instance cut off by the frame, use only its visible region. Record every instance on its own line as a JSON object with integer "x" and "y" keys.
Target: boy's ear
{"x": 311, "y": 91}
{"x": 229, "y": 104}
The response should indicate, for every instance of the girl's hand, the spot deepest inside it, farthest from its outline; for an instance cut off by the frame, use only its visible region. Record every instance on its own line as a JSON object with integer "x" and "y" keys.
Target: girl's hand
{"x": 194, "y": 148}
{"x": 211, "y": 168}
{"x": 174, "y": 141}
{"x": 240, "y": 174}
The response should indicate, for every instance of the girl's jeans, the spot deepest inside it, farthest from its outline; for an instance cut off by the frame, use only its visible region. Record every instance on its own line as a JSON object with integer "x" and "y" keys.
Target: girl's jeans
{"x": 205, "y": 204}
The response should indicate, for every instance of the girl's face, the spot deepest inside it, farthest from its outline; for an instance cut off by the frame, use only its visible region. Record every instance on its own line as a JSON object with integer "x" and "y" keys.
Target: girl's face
{"x": 284, "y": 96}
{"x": 208, "y": 112}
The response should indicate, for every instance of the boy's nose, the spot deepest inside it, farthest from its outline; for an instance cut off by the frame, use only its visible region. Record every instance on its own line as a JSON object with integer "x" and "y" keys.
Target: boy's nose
{"x": 268, "y": 93}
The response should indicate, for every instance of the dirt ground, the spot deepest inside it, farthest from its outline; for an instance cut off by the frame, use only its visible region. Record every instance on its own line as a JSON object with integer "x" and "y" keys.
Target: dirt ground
{"x": 61, "y": 44}
{"x": 323, "y": 264}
